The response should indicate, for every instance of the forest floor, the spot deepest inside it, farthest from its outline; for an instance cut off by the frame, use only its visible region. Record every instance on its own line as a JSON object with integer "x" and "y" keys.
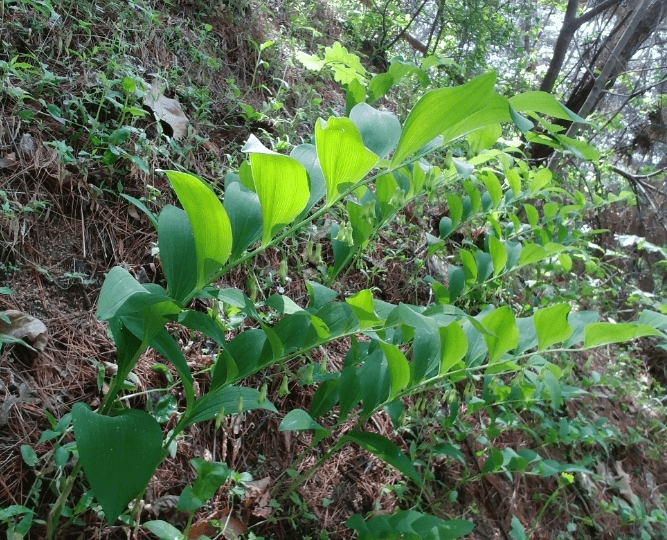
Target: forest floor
{"x": 64, "y": 227}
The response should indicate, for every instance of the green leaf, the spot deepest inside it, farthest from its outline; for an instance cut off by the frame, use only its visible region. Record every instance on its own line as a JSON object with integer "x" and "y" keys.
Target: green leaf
{"x": 495, "y": 111}
{"x": 306, "y": 154}
{"x": 343, "y": 157}
{"x": 196, "y": 320}
{"x": 355, "y": 93}
{"x": 399, "y": 369}
{"x": 29, "y": 455}
{"x": 127, "y": 345}
{"x": 281, "y": 183}
{"x": 245, "y": 217}
{"x": 163, "y": 530}
{"x": 119, "y": 454}
{"x": 457, "y": 282}
{"x": 498, "y": 255}
{"x": 483, "y": 139}
{"x": 492, "y": 185}
{"x": 387, "y": 451}
{"x": 208, "y": 219}
{"x": 455, "y": 206}
{"x": 381, "y": 83}
{"x": 300, "y": 420}
{"x": 409, "y": 524}
{"x": 597, "y": 334}
{"x": 580, "y": 149}
{"x": 553, "y": 387}
{"x": 544, "y": 103}
{"x": 309, "y": 61}
{"x": 453, "y": 346}
{"x": 210, "y": 476}
{"x": 362, "y": 305}
{"x": 517, "y": 532}
{"x": 374, "y": 380}
{"x": 177, "y": 252}
{"x": 325, "y": 398}
{"x": 484, "y": 266}
{"x": 445, "y": 227}
{"x": 551, "y": 325}
{"x": 209, "y": 405}
{"x": 469, "y": 266}
{"x": 540, "y": 179}
{"x": 520, "y": 122}
{"x": 502, "y": 324}
{"x": 121, "y": 294}
{"x": 440, "y": 110}
{"x": 141, "y": 206}
{"x": 347, "y": 66}
{"x": 319, "y": 294}
{"x": 380, "y": 130}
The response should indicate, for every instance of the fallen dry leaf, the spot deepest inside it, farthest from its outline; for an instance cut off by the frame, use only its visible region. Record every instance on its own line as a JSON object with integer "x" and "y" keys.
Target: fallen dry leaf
{"x": 168, "y": 110}
{"x": 24, "y": 327}
{"x": 232, "y": 527}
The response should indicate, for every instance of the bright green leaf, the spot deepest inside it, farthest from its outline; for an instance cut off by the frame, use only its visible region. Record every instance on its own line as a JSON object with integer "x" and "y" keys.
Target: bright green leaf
{"x": 281, "y": 183}
{"x": 551, "y": 325}
{"x": 399, "y": 369}
{"x": 208, "y": 219}
{"x": 502, "y": 324}
{"x": 453, "y": 346}
{"x": 440, "y": 110}
{"x": 597, "y": 334}
{"x": 498, "y": 255}
{"x": 343, "y": 157}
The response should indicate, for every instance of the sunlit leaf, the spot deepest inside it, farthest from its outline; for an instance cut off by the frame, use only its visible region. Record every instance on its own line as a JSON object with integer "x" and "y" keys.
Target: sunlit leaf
{"x": 208, "y": 219}
{"x": 551, "y": 325}
{"x": 440, "y": 110}
{"x": 597, "y": 334}
{"x": 502, "y": 324}
{"x": 343, "y": 157}
{"x": 281, "y": 183}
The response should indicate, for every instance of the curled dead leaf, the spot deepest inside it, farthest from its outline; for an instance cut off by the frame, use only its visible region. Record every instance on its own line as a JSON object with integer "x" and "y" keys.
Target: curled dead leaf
{"x": 23, "y": 328}
{"x": 167, "y": 110}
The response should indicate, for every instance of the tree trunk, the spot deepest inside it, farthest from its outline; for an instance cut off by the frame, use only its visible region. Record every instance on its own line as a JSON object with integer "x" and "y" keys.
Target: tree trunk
{"x": 570, "y": 25}
{"x": 635, "y": 24}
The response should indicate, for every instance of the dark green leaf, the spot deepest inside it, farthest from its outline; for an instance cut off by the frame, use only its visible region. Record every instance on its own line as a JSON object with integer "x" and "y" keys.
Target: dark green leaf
{"x": 380, "y": 130}
{"x": 119, "y": 454}
{"x": 209, "y": 405}
{"x": 245, "y": 216}
{"x": 299, "y": 420}
{"x": 177, "y": 252}
{"x": 387, "y": 451}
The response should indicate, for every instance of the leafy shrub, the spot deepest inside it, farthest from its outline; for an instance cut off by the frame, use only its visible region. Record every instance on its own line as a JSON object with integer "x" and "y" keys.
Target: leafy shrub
{"x": 365, "y": 168}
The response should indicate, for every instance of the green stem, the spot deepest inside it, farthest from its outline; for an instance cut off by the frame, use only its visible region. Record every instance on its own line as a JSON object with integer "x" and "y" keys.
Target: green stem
{"x": 57, "y": 510}
{"x": 542, "y": 510}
